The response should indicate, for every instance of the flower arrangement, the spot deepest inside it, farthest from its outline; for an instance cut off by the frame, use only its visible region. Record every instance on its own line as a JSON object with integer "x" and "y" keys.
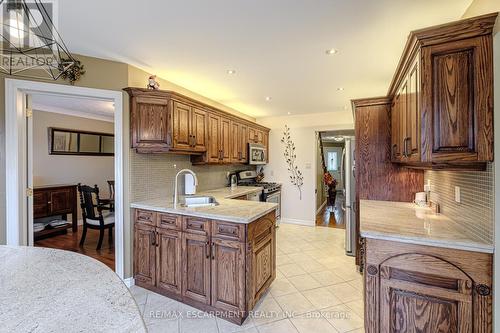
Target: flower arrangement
{"x": 329, "y": 180}
{"x": 74, "y": 73}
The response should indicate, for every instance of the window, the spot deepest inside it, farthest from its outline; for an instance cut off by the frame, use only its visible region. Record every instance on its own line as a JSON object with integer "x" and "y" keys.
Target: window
{"x": 332, "y": 161}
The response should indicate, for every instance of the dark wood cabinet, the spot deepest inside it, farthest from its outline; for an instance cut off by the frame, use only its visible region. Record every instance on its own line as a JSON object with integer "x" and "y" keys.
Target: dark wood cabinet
{"x": 212, "y": 265}
{"x": 165, "y": 121}
{"x": 196, "y": 267}
{"x": 55, "y": 200}
{"x": 442, "y": 97}
{"x": 168, "y": 260}
{"x": 426, "y": 289}
{"x": 145, "y": 255}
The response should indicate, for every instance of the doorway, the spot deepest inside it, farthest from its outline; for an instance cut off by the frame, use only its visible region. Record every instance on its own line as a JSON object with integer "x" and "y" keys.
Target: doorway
{"x": 19, "y": 157}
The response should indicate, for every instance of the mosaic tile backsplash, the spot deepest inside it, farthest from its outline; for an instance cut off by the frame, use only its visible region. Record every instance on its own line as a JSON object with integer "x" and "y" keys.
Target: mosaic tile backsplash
{"x": 153, "y": 175}
{"x": 475, "y": 212}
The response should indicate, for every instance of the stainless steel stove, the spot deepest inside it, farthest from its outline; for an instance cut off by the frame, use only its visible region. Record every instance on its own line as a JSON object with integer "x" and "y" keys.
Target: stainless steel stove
{"x": 271, "y": 191}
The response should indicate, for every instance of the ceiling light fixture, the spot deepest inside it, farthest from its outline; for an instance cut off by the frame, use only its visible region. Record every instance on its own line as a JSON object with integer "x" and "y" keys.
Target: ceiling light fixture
{"x": 331, "y": 51}
{"x": 268, "y": 98}
{"x": 231, "y": 71}
{"x": 340, "y": 89}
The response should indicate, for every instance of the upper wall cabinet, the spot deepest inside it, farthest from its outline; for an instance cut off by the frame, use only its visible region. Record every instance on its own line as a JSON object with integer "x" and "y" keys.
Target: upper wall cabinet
{"x": 442, "y": 97}
{"x": 164, "y": 121}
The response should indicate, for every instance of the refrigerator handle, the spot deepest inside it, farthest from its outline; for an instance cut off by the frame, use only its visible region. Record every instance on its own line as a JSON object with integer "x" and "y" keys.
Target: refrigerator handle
{"x": 342, "y": 167}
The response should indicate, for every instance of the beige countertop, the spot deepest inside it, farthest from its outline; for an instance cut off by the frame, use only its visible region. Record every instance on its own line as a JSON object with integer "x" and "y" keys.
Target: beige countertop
{"x": 408, "y": 223}
{"x": 232, "y": 210}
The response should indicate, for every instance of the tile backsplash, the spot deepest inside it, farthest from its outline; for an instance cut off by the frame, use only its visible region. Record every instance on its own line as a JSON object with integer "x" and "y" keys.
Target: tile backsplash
{"x": 475, "y": 212}
{"x": 153, "y": 175}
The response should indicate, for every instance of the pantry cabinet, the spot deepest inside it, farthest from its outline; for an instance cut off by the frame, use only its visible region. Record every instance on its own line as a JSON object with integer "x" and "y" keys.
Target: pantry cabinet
{"x": 428, "y": 289}
{"x": 442, "y": 97}
{"x": 167, "y": 122}
{"x": 209, "y": 264}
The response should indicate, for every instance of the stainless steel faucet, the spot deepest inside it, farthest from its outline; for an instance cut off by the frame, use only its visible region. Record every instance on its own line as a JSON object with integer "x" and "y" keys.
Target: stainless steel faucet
{"x": 175, "y": 184}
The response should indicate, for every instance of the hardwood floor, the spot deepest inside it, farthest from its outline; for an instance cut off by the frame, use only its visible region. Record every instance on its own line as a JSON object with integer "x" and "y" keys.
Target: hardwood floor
{"x": 332, "y": 217}
{"x": 70, "y": 242}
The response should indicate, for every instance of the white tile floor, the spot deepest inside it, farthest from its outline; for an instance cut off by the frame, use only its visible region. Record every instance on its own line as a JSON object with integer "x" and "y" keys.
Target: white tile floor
{"x": 317, "y": 289}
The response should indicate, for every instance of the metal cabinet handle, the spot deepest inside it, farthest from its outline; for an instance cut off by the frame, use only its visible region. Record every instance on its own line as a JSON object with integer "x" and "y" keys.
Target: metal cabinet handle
{"x": 394, "y": 147}
{"x": 157, "y": 240}
{"x": 152, "y": 238}
{"x": 408, "y": 146}
{"x": 404, "y": 147}
{"x": 207, "y": 249}
{"x": 213, "y": 251}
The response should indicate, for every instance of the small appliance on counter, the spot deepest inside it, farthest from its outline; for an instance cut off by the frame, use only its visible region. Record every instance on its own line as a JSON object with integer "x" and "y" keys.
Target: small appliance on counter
{"x": 421, "y": 199}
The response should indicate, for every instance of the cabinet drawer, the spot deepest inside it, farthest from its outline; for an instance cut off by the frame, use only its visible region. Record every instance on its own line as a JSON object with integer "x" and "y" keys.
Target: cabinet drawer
{"x": 145, "y": 217}
{"x": 228, "y": 230}
{"x": 169, "y": 221}
{"x": 196, "y": 225}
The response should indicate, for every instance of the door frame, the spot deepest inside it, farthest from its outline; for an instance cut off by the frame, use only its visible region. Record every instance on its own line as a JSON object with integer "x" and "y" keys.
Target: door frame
{"x": 16, "y": 156}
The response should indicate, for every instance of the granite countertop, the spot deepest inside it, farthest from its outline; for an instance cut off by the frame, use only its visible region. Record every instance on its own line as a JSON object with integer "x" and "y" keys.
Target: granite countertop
{"x": 231, "y": 210}
{"x": 49, "y": 290}
{"x": 406, "y": 222}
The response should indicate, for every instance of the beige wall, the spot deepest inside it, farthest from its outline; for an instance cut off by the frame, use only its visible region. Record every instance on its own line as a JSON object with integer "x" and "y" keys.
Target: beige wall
{"x": 68, "y": 169}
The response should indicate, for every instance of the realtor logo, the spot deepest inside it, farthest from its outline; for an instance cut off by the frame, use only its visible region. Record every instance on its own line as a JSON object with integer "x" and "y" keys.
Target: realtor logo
{"x": 31, "y": 45}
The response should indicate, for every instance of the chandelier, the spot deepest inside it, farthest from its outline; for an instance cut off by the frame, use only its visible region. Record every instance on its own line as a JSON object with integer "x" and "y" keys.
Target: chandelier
{"x": 30, "y": 44}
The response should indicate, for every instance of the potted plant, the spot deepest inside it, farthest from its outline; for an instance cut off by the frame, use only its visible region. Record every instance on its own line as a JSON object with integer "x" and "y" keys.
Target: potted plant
{"x": 331, "y": 182}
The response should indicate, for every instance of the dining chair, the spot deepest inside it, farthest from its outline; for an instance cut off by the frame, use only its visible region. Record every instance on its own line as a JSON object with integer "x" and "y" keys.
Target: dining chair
{"x": 92, "y": 214}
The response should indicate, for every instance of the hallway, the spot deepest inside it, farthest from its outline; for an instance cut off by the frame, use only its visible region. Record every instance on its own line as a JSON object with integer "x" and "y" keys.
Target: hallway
{"x": 332, "y": 217}
{"x": 317, "y": 289}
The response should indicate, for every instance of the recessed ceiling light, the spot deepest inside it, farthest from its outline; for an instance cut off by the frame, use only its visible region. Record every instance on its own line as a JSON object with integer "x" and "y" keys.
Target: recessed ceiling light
{"x": 231, "y": 71}
{"x": 340, "y": 89}
{"x": 331, "y": 51}
{"x": 268, "y": 98}
{"x": 288, "y": 113}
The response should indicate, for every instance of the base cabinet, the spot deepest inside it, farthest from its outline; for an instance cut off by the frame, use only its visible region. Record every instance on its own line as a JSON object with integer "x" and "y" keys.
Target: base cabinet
{"x": 414, "y": 288}
{"x": 216, "y": 266}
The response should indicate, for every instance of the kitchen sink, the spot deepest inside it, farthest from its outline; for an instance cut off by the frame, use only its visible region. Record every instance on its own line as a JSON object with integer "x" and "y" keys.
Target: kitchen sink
{"x": 199, "y": 201}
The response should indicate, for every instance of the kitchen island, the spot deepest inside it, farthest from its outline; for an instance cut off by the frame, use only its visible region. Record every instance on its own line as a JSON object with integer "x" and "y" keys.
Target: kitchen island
{"x": 423, "y": 270}
{"x": 220, "y": 259}
{"x": 49, "y": 290}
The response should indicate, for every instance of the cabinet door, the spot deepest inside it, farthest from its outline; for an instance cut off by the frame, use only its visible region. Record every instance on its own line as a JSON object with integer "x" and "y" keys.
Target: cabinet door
{"x": 60, "y": 201}
{"x": 235, "y": 142}
{"x": 260, "y": 136}
{"x": 214, "y": 135}
{"x": 149, "y": 124}
{"x": 199, "y": 130}
{"x": 228, "y": 275}
{"x": 181, "y": 126}
{"x": 413, "y": 113}
{"x": 459, "y": 103}
{"x": 395, "y": 130}
{"x": 196, "y": 267}
{"x": 168, "y": 260}
{"x": 244, "y": 143}
{"x": 420, "y": 293}
{"x": 225, "y": 140}
{"x": 252, "y": 135}
{"x": 145, "y": 255}
{"x": 265, "y": 142}
{"x": 403, "y": 120}
{"x": 40, "y": 204}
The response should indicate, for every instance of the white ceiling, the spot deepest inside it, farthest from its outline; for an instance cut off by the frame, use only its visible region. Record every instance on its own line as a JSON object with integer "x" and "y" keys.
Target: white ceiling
{"x": 277, "y": 47}
{"x": 79, "y": 107}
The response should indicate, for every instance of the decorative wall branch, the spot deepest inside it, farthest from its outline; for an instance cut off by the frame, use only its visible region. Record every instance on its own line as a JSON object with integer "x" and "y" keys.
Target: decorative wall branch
{"x": 296, "y": 177}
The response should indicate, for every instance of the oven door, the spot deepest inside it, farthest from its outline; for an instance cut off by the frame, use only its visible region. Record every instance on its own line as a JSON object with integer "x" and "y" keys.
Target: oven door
{"x": 275, "y": 198}
{"x": 256, "y": 154}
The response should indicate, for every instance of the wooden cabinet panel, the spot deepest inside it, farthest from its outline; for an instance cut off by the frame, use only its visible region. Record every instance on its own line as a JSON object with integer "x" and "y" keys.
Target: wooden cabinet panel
{"x": 145, "y": 217}
{"x": 252, "y": 135}
{"x": 40, "y": 204}
{"x": 196, "y": 267}
{"x": 214, "y": 134}
{"x": 416, "y": 288}
{"x": 229, "y": 230}
{"x": 168, "y": 260}
{"x": 460, "y": 99}
{"x": 395, "y": 131}
{"x": 228, "y": 275}
{"x": 60, "y": 201}
{"x": 225, "y": 140}
{"x": 181, "y": 126}
{"x": 145, "y": 255}
{"x": 235, "y": 142}
{"x": 149, "y": 124}
{"x": 199, "y": 130}
{"x": 169, "y": 221}
{"x": 196, "y": 225}
{"x": 265, "y": 142}
{"x": 243, "y": 139}
{"x": 413, "y": 114}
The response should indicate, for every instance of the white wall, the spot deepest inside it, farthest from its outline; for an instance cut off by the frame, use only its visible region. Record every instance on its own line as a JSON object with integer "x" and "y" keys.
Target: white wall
{"x": 303, "y": 130}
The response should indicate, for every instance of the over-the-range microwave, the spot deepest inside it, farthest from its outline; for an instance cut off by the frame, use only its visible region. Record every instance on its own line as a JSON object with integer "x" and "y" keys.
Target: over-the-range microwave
{"x": 256, "y": 154}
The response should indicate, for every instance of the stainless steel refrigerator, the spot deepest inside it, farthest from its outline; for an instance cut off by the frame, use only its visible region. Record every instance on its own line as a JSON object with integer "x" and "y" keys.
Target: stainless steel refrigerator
{"x": 349, "y": 190}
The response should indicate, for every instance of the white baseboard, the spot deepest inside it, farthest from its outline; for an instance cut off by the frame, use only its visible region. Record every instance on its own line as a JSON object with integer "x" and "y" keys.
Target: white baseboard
{"x": 297, "y": 221}
{"x": 129, "y": 282}
{"x": 321, "y": 207}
